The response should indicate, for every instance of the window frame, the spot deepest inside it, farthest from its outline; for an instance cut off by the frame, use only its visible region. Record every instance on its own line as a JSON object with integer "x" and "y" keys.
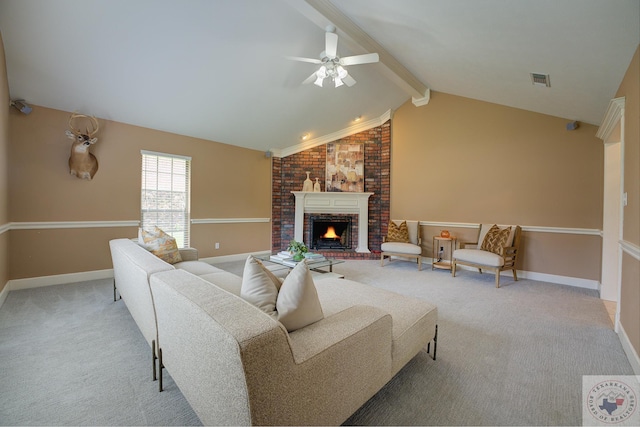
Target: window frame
{"x": 177, "y": 222}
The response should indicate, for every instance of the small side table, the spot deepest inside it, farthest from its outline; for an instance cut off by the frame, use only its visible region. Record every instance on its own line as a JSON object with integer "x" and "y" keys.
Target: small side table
{"x": 438, "y": 260}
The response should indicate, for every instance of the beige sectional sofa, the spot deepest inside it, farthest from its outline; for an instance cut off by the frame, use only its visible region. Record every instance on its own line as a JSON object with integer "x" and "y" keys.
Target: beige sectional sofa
{"x": 236, "y": 365}
{"x": 132, "y": 267}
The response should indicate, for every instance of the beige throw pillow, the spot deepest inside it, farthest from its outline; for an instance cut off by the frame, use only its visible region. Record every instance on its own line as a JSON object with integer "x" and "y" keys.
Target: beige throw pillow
{"x": 398, "y": 233}
{"x": 495, "y": 239}
{"x": 298, "y": 304}
{"x": 293, "y": 302}
{"x": 260, "y": 286}
{"x": 161, "y": 245}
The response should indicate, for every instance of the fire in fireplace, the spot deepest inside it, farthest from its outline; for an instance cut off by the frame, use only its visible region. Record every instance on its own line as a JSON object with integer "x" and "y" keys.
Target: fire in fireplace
{"x": 330, "y": 232}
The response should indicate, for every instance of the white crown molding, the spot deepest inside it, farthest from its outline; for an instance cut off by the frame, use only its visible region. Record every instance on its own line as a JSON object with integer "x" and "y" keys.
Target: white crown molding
{"x": 352, "y": 130}
{"x": 614, "y": 113}
{"x": 631, "y": 249}
{"x": 419, "y": 102}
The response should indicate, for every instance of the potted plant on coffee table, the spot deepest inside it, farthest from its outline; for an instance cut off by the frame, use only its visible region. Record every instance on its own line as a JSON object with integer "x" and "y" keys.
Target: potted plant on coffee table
{"x": 298, "y": 249}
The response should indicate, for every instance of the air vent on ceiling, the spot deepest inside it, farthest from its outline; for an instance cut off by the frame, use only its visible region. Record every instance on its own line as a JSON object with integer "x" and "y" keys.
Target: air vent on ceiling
{"x": 540, "y": 79}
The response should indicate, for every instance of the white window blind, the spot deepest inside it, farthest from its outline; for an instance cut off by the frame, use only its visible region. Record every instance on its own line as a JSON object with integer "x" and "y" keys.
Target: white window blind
{"x": 165, "y": 194}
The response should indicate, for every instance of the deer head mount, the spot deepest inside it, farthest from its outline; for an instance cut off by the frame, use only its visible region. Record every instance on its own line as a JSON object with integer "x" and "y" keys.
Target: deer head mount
{"x": 82, "y": 163}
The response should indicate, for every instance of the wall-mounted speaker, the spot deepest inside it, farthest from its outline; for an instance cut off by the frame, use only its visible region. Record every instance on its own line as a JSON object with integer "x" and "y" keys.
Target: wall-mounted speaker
{"x": 572, "y": 125}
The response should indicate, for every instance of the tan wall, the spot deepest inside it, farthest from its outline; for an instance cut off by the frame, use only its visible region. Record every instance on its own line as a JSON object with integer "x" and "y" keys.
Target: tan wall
{"x": 630, "y": 292}
{"x": 227, "y": 182}
{"x": 4, "y": 161}
{"x": 467, "y": 161}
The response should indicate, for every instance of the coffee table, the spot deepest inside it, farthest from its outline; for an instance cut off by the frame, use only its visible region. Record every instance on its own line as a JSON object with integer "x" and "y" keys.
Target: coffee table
{"x": 316, "y": 266}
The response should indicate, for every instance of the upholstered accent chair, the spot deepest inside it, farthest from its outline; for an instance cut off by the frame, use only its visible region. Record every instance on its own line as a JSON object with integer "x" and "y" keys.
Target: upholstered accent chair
{"x": 401, "y": 243}
{"x": 496, "y": 250}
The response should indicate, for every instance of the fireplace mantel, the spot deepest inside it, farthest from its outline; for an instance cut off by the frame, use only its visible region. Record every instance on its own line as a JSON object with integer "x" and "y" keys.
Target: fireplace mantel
{"x": 330, "y": 202}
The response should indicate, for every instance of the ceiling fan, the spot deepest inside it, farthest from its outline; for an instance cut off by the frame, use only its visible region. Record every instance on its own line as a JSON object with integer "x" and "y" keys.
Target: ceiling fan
{"x": 331, "y": 65}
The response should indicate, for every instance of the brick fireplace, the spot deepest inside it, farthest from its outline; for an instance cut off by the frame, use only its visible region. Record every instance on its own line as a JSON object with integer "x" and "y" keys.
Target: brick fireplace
{"x": 288, "y": 174}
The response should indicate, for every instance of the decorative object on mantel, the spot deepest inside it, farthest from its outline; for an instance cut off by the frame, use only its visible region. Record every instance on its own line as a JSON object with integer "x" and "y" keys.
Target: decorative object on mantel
{"x": 445, "y": 234}
{"x": 82, "y": 163}
{"x": 316, "y": 187}
{"x": 308, "y": 184}
{"x": 345, "y": 168}
{"x": 298, "y": 249}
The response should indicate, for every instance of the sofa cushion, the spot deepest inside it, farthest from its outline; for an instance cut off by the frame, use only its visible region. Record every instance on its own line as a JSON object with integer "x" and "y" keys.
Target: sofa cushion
{"x": 224, "y": 280}
{"x": 403, "y": 248}
{"x": 298, "y": 304}
{"x": 414, "y": 320}
{"x": 476, "y": 256}
{"x": 259, "y": 286}
{"x": 197, "y": 267}
{"x": 161, "y": 245}
{"x": 495, "y": 239}
{"x": 398, "y": 232}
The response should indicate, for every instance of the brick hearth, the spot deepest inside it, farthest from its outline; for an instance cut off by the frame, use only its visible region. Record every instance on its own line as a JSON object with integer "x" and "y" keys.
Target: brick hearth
{"x": 288, "y": 174}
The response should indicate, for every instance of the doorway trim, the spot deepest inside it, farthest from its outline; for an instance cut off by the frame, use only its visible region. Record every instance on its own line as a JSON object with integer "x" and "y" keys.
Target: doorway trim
{"x": 613, "y": 125}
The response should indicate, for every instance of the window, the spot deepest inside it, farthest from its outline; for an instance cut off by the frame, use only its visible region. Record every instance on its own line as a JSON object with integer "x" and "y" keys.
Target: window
{"x": 165, "y": 194}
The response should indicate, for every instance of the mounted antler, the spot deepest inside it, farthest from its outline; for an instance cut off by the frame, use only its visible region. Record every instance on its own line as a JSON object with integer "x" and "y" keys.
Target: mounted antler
{"x": 82, "y": 163}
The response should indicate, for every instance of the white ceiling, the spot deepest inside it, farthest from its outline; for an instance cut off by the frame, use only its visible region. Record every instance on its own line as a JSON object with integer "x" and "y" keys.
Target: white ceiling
{"x": 216, "y": 69}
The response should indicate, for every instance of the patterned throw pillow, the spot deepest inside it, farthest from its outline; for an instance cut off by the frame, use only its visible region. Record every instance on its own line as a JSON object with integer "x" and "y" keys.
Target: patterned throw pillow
{"x": 495, "y": 239}
{"x": 161, "y": 245}
{"x": 398, "y": 233}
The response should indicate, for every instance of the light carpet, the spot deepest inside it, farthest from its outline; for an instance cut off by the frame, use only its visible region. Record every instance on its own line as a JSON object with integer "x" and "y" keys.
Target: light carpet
{"x": 69, "y": 355}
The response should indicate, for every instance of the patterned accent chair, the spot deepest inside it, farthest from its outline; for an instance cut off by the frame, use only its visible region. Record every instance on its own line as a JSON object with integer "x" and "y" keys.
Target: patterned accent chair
{"x": 400, "y": 243}
{"x": 496, "y": 250}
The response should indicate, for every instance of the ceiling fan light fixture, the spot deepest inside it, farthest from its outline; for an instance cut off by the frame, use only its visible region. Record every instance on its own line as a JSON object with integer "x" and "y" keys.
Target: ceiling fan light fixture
{"x": 318, "y": 81}
{"x": 338, "y": 81}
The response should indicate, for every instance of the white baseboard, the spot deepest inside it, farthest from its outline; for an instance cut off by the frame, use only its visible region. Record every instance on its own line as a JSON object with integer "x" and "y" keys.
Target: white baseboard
{"x": 631, "y": 353}
{"x": 543, "y": 277}
{"x": 3, "y": 293}
{"x": 59, "y": 279}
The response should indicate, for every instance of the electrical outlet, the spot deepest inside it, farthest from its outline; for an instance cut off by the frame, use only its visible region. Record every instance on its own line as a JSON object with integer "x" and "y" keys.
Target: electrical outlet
{"x": 441, "y": 248}
{"x": 217, "y": 245}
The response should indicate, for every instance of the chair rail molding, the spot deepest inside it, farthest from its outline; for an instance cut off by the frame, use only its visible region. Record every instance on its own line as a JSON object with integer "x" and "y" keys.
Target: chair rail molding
{"x": 51, "y": 225}
{"x": 529, "y": 228}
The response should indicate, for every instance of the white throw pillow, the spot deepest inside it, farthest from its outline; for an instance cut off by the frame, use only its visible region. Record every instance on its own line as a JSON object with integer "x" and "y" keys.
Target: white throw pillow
{"x": 260, "y": 286}
{"x": 297, "y": 303}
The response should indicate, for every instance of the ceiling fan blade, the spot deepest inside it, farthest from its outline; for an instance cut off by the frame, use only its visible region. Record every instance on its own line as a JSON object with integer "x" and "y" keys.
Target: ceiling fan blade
{"x": 331, "y": 42}
{"x": 310, "y": 79}
{"x": 348, "y": 80}
{"x": 367, "y": 58}
{"x": 298, "y": 58}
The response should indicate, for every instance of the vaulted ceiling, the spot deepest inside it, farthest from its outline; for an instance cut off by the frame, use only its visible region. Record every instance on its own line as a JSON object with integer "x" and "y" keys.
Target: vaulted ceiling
{"x": 217, "y": 69}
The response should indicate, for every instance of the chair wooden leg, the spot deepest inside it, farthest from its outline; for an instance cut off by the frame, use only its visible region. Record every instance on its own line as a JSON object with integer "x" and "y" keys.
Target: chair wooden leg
{"x": 453, "y": 269}
{"x": 515, "y": 276}
{"x": 381, "y": 260}
{"x": 154, "y": 358}
{"x": 419, "y": 263}
{"x": 497, "y": 278}
{"x": 160, "y": 366}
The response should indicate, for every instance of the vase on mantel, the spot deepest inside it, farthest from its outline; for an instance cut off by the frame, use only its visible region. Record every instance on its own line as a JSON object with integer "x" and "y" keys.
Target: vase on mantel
{"x": 316, "y": 187}
{"x": 308, "y": 184}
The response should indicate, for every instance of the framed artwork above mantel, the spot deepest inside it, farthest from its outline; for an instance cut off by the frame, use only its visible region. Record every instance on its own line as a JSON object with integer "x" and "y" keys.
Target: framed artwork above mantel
{"x": 345, "y": 167}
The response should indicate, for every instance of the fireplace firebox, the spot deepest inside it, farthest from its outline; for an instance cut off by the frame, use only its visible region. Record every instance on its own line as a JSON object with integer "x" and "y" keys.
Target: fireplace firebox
{"x": 330, "y": 232}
